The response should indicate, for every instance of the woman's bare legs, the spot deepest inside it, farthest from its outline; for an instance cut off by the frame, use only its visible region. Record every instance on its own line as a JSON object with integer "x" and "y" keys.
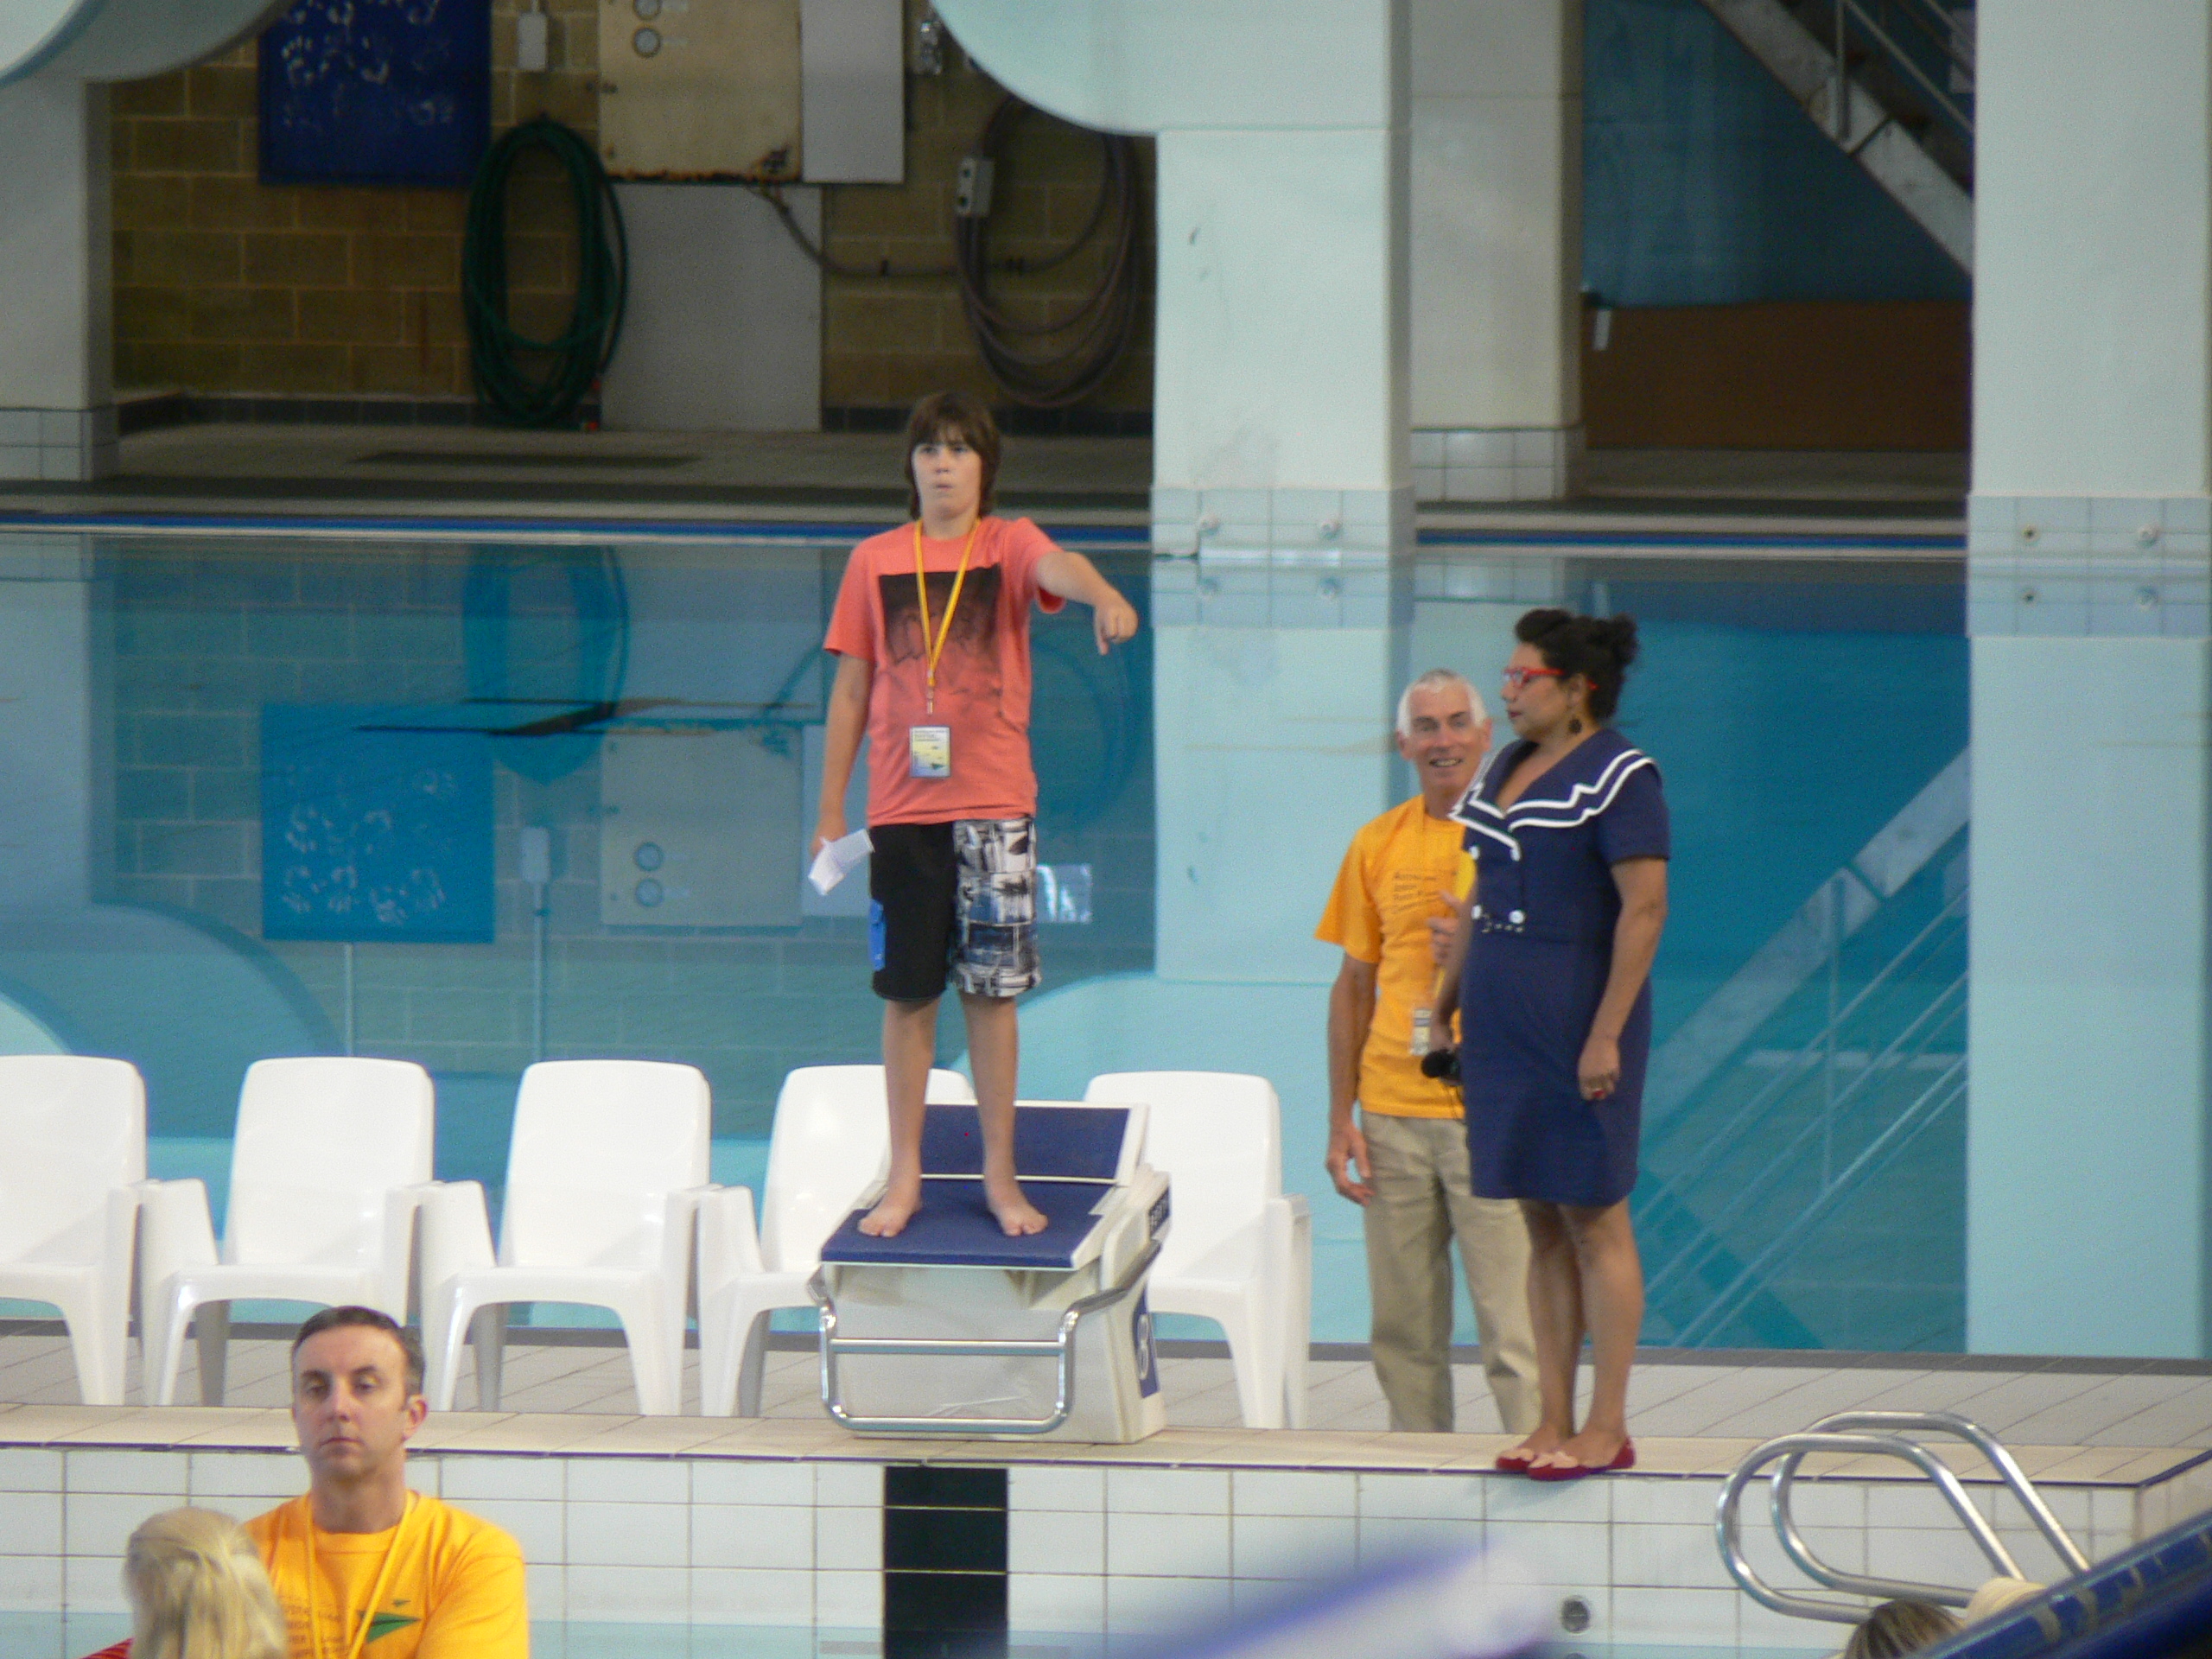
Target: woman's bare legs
{"x": 1555, "y": 1314}
{"x": 1610, "y": 1276}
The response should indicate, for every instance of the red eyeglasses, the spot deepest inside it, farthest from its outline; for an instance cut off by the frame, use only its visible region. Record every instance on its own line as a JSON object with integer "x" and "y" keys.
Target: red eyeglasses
{"x": 1517, "y": 678}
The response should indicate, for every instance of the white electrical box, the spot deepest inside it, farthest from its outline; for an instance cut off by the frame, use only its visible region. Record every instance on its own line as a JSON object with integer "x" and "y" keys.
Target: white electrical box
{"x": 699, "y": 89}
{"x": 696, "y": 829}
{"x": 852, "y": 59}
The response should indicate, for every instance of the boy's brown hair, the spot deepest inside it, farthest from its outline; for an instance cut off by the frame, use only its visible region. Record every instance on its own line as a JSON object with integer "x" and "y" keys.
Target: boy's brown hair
{"x": 948, "y": 417}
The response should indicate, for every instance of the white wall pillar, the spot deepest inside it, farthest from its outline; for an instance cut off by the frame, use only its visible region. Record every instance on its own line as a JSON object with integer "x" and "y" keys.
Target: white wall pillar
{"x": 1282, "y": 489}
{"x": 57, "y": 387}
{"x": 1497, "y": 248}
{"x": 2090, "y": 1227}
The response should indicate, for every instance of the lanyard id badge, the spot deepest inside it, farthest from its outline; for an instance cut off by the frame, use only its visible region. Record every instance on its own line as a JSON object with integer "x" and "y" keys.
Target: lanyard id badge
{"x": 934, "y": 644}
{"x": 929, "y": 751}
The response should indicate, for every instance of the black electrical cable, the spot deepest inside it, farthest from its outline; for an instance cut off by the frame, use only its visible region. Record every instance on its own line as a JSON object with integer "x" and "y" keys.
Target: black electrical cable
{"x": 1021, "y": 358}
{"x": 1102, "y": 322}
{"x": 548, "y": 394}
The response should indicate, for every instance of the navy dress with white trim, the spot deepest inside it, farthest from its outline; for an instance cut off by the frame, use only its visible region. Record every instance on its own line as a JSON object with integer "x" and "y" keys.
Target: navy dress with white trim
{"x": 1542, "y": 946}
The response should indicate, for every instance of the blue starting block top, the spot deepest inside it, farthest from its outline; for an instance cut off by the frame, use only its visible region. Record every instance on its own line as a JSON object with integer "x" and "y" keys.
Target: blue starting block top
{"x": 956, "y": 1229}
{"x": 1067, "y": 1143}
{"x": 1069, "y": 1156}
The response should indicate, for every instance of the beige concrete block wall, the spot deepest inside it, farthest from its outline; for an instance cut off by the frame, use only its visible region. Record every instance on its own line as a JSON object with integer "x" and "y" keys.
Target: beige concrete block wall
{"x": 224, "y": 285}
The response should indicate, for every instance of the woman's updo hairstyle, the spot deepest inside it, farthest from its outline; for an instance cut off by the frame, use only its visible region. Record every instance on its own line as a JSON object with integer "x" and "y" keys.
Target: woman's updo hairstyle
{"x": 198, "y": 1590}
{"x": 1599, "y": 648}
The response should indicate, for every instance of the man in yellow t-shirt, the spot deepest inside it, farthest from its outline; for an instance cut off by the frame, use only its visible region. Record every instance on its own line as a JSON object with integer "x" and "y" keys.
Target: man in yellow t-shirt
{"x": 1405, "y": 1160}
{"x": 366, "y": 1568}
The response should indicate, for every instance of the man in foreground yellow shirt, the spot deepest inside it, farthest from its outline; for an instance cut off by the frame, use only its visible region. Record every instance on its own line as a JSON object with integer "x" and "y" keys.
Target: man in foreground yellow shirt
{"x": 366, "y": 1568}
{"x": 1405, "y": 1160}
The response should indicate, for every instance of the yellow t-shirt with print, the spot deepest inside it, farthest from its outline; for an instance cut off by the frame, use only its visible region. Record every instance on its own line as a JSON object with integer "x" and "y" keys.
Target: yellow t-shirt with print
{"x": 452, "y": 1584}
{"x": 1389, "y": 886}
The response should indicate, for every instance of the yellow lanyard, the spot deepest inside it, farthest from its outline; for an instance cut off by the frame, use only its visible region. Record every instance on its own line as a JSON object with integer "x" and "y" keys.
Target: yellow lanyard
{"x": 375, "y": 1594}
{"x": 935, "y": 646}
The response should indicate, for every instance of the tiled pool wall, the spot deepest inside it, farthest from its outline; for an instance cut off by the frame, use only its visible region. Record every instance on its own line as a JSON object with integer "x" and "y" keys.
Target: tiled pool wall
{"x": 1090, "y": 1548}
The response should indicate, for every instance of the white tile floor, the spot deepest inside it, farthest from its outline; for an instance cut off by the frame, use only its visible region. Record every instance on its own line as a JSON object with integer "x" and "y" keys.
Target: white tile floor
{"x": 1733, "y": 1397}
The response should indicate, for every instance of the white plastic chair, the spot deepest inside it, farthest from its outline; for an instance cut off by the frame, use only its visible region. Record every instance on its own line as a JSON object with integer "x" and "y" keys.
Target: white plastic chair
{"x": 604, "y": 1171}
{"x": 74, "y": 1130}
{"x": 830, "y": 1144}
{"x": 1239, "y": 1249}
{"x": 329, "y": 1162}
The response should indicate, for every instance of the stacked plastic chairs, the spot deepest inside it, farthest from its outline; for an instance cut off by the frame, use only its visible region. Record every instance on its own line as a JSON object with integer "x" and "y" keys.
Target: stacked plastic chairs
{"x": 604, "y": 1173}
{"x": 608, "y": 1202}
{"x": 74, "y": 1128}
{"x": 1240, "y": 1250}
{"x": 829, "y": 1147}
{"x": 329, "y": 1162}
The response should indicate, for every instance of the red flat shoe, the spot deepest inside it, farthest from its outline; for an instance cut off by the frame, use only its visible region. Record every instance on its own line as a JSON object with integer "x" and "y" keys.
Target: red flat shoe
{"x": 1515, "y": 1463}
{"x": 1624, "y": 1459}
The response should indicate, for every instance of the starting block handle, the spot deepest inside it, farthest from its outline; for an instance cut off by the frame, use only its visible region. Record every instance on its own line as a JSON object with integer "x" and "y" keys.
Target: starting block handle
{"x": 1060, "y": 1348}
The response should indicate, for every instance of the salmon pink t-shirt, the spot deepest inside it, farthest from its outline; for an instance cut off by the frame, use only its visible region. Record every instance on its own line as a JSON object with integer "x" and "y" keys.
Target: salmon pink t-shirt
{"x": 982, "y": 678}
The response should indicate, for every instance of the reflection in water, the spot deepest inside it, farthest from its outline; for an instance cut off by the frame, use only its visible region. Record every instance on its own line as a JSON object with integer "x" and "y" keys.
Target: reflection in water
{"x": 291, "y": 779}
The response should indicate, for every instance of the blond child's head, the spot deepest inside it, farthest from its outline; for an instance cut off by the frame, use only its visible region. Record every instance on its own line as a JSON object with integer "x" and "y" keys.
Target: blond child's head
{"x": 198, "y": 1590}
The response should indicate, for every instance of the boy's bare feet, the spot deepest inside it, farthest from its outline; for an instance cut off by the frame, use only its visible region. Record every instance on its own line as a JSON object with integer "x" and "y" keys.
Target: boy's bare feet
{"x": 1016, "y": 1215}
{"x": 893, "y": 1210}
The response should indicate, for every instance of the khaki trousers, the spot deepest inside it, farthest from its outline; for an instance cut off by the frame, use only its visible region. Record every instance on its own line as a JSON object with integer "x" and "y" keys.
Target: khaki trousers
{"x": 1418, "y": 1166}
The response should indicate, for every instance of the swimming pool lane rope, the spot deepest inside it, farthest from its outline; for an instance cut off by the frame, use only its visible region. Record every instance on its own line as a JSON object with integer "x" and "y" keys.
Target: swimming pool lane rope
{"x": 526, "y": 381}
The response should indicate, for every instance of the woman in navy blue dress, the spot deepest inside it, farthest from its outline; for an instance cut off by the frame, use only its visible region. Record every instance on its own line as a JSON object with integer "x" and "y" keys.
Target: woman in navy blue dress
{"x": 1568, "y": 827}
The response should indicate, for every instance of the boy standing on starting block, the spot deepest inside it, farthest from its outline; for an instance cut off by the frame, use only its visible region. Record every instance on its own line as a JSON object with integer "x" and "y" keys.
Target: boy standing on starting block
{"x": 932, "y": 634}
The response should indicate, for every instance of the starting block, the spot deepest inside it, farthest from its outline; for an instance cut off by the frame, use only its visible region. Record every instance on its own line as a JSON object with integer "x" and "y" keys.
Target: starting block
{"x": 953, "y": 1328}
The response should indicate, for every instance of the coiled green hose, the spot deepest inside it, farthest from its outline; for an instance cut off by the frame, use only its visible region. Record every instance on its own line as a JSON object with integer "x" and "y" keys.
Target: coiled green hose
{"x": 496, "y": 350}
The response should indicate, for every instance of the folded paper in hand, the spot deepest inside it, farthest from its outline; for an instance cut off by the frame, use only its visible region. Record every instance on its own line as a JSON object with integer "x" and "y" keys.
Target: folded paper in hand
{"x": 836, "y": 859}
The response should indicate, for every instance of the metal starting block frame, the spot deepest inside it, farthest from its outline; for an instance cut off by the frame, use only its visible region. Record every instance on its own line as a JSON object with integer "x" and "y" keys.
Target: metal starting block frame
{"x": 1106, "y": 1211}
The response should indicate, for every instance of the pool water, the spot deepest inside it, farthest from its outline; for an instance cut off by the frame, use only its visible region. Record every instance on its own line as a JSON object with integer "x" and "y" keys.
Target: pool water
{"x": 299, "y": 774}
{"x": 41, "y": 1636}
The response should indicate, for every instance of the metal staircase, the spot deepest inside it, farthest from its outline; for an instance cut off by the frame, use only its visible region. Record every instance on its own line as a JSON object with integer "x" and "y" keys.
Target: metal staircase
{"x": 1892, "y": 81}
{"x": 1797, "y": 1087}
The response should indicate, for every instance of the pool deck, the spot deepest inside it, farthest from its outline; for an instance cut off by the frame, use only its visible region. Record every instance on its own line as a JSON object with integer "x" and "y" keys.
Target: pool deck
{"x": 2118, "y": 1423}
{"x": 293, "y": 474}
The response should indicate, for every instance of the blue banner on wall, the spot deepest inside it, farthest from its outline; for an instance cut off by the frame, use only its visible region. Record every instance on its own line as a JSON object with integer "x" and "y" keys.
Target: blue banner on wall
{"x": 376, "y": 91}
{"x": 369, "y": 833}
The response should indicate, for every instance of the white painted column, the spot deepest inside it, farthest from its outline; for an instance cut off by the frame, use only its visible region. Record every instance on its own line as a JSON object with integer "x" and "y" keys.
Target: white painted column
{"x": 1497, "y": 248}
{"x": 1283, "y": 499}
{"x": 57, "y": 386}
{"x": 2089, "y": 1144}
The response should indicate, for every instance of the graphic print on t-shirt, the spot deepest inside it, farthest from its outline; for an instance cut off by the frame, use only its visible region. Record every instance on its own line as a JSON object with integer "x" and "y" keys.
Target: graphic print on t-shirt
{"x": 968, "y": 680}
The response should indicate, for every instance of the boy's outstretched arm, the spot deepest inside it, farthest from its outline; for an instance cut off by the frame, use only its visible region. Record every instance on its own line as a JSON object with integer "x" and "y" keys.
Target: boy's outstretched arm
{"x": 1069, "y": 575}
{"x": 841, "y": 742}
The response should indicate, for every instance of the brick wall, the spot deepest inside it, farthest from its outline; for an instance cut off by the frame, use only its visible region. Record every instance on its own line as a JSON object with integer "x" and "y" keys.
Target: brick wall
{"x": 887, "y": 342}
{"x": 225, "y": 285}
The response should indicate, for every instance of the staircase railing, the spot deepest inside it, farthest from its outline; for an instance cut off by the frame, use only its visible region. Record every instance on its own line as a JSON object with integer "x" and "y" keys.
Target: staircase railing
{"x": 1890, "y": 28}
{"x": 1931, "y": 1037}
{"x": 1878, "y": 1433}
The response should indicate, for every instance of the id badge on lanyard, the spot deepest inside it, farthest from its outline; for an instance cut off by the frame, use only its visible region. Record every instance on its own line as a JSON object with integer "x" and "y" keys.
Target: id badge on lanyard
{"x": 929, "y": 751}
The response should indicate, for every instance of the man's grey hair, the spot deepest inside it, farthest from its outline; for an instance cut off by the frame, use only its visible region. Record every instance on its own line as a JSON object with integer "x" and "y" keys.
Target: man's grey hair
{"x": 1436, "y": 680}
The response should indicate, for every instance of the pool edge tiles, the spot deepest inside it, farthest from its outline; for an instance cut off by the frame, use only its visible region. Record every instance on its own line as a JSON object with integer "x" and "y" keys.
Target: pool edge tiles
{"x": 779, "y": 1523}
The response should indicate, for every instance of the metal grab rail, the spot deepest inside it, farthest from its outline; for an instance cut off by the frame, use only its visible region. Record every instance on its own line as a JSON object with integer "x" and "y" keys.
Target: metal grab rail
{"x": 1060, "y": 1346}
{"x": 1878, "y": 1433}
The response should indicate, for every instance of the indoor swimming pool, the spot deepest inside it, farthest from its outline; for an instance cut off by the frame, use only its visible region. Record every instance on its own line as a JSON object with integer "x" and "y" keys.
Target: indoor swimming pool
{"x": 473, "y": 801}
{"x": 29, "y": 1636}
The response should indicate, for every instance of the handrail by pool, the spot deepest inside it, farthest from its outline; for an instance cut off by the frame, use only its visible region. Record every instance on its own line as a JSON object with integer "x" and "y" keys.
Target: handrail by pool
{"x": 1881, "y": 1433}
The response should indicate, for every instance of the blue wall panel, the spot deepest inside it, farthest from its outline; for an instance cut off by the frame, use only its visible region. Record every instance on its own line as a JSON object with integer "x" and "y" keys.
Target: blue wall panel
{"x": 1705, "y": 184}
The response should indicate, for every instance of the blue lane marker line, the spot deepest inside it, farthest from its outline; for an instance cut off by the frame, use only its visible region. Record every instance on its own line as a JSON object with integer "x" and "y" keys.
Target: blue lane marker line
{"x": 797, "y": 531}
